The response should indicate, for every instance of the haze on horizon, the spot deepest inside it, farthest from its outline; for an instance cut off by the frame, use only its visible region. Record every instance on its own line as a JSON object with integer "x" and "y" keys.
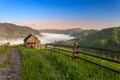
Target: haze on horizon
{"x": 61, "y": 14}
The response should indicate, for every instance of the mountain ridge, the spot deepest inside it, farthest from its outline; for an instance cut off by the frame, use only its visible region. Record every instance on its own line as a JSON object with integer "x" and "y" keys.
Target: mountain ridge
{"x": 106, "y": 38}
{"x": 11, "y": 30}
{"x": 76, "y": 32}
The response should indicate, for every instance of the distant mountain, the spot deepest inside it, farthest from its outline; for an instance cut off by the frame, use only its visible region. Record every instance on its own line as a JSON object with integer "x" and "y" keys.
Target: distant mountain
{"x": 106, "y": 38}
{"x": 76, "y": 32}
{"x": 61, "y": 31}
{"x": 14, "y": 31}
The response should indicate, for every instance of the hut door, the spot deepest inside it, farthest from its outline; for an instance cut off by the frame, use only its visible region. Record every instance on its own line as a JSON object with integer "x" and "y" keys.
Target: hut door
{"x": 33, "y": 45}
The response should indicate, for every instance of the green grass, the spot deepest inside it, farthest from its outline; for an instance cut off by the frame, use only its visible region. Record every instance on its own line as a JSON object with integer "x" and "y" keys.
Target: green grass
{"x": 36, "y": 67}
{"x": 7, "y": 62}
{"x": 3, "y": 48}
{"x": 97, "y": 60}
{"x": 100, "y": 61}
{"x": 50, "y": 65}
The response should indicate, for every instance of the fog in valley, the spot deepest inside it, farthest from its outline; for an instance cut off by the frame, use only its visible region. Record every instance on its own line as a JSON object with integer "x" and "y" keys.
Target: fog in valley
{"x": 45, "y": 38}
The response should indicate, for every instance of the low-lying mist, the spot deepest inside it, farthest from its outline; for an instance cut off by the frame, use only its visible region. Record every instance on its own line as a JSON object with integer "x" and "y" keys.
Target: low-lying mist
{"x": 46, "y": 38}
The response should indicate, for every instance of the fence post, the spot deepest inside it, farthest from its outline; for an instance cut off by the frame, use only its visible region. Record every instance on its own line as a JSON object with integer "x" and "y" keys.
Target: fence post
{"x": 54, "y": 45}
{"x": 74, "y": 50}
{"x": 45, "y": 46}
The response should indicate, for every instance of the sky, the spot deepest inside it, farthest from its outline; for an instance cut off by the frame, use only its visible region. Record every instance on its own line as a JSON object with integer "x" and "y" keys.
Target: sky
{"x": 61, "y": 14}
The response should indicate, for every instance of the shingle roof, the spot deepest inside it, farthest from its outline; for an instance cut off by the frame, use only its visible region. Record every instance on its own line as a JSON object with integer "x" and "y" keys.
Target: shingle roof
{"x": 29, "y": 37}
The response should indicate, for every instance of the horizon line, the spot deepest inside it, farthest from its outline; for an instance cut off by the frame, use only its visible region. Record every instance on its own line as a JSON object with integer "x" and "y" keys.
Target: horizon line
{"x": 41, "y": 28}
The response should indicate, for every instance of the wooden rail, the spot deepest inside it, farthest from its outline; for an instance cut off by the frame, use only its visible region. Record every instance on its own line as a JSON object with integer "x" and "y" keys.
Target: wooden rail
{"x": 75, "y": 51}
{"x": 77, "y": 57}
{"x": 104, "y": 58}
{"x": 105, "y": 67}
{"x": 100, "y": 49}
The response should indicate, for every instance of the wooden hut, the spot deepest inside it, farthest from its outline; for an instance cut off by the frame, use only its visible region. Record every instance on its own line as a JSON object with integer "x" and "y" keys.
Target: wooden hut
{"x": 31, "y": 41}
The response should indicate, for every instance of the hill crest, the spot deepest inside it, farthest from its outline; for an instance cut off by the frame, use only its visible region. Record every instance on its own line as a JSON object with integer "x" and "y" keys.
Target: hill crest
{"x": 11, "y": 30}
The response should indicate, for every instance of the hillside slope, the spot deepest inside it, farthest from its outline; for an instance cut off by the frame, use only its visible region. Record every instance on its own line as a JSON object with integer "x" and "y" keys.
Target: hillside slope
{"x": 106, "y": 38}
{"x": 76, "y": 32}
{"x": 11, "y": 30}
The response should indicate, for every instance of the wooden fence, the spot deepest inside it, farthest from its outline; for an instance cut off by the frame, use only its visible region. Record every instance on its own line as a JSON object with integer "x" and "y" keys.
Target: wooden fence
{"x": 75, "y": 50}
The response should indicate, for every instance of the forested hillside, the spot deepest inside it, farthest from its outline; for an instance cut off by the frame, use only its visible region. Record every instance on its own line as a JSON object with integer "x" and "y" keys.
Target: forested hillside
{"x": 106, "y": 38}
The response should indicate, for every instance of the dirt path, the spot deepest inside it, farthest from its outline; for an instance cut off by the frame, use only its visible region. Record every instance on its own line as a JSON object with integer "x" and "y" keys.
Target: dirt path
{"x": 12, "y": 71}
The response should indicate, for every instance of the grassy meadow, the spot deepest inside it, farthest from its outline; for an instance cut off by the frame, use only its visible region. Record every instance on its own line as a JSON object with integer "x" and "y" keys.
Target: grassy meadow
{"x": 41, "y": 64}
{"x": 3, "y": 48}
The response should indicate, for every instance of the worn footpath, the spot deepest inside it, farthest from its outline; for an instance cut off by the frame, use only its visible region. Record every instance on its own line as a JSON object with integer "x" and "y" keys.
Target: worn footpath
{"x": 12, "y": 71}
